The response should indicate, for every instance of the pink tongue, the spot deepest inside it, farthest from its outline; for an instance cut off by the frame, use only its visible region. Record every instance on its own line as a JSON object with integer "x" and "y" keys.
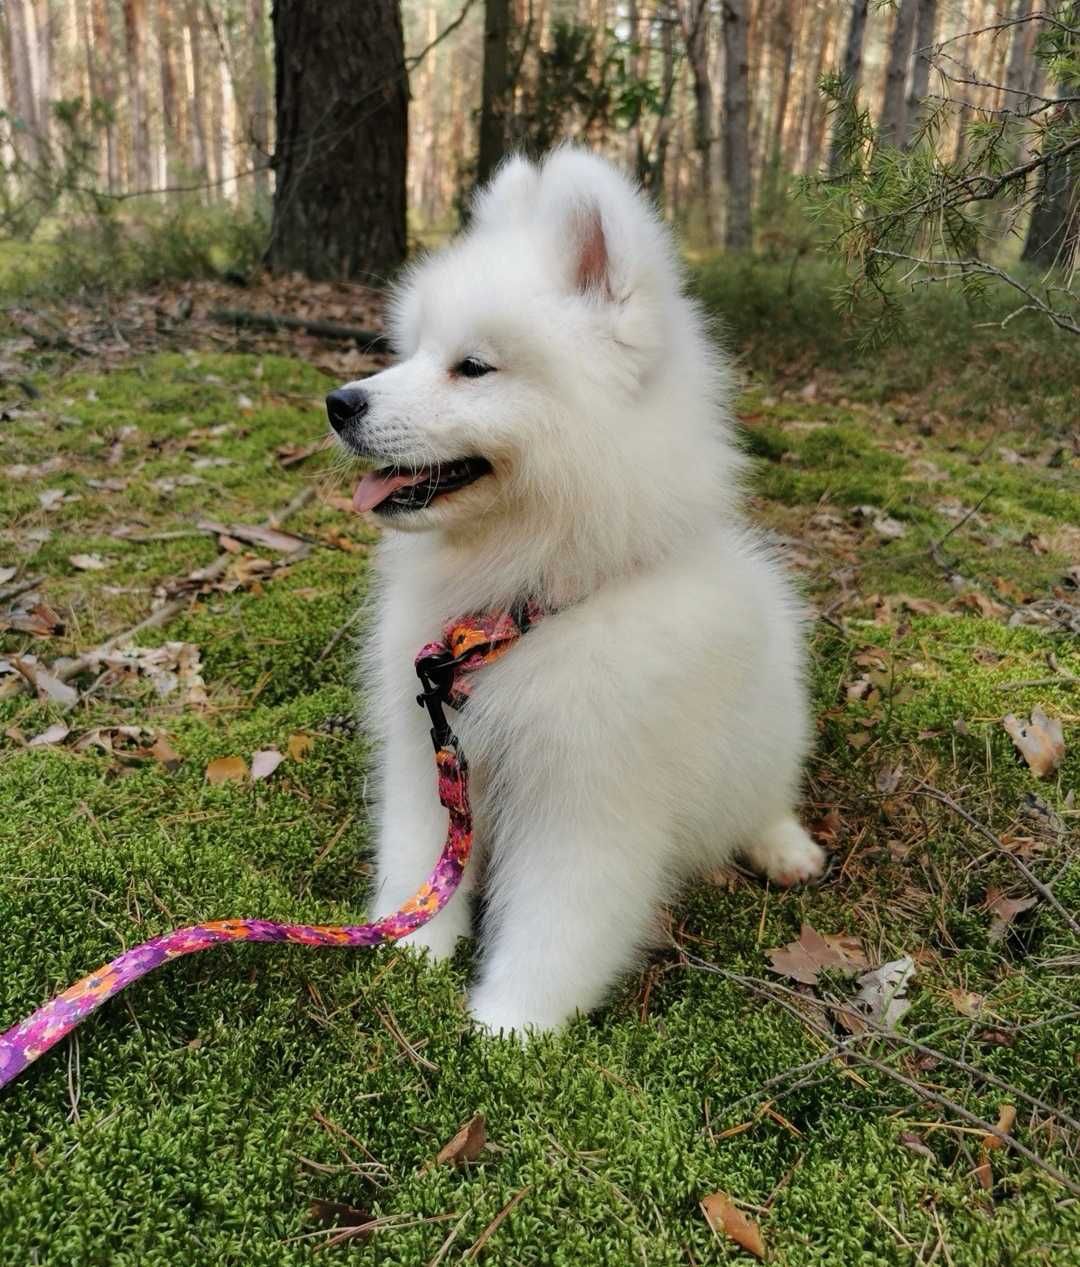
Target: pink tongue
{"x": 375, "y": 488}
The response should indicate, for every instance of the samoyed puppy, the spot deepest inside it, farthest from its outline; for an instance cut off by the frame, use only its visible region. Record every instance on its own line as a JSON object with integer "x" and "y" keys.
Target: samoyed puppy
{"x": 557, "y": 428}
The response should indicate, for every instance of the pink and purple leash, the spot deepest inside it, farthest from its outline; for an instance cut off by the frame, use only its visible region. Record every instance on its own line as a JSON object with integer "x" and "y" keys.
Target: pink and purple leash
{"x": 468, "y": 644}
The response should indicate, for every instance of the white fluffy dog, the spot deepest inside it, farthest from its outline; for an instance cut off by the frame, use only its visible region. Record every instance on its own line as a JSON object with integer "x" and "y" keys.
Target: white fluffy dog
{"x": 557, "y": 429}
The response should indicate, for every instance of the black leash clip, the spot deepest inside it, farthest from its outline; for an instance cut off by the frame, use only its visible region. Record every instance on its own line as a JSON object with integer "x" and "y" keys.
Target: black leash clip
{"x": 436, "y": 674}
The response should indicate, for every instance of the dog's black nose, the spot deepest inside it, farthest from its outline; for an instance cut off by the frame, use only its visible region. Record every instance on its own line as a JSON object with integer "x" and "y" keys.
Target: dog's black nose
{"x": 346, "y": 405}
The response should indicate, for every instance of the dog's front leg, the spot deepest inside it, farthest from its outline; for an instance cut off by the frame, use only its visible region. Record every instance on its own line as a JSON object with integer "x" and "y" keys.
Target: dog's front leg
{"x": 571, "y": 903}
{"x": 412, "y": 831}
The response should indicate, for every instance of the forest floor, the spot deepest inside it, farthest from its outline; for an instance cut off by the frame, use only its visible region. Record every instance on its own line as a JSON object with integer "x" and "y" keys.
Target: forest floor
{"x": 258, "y": 1104}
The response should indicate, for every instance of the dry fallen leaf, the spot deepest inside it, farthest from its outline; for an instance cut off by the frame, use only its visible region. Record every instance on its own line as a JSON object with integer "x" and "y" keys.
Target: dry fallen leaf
{"x": 724, "y": 1217}
{"x": 163, "y": 751}
{"x": 226, "y": 769}
{"x": 1005, "y": 910}
{"x": 337, "y": 1214}
{"x": 1041, "y": 741}
{"x": 88, "y": 562}
{"x": 977, "y": 601}
{"x": 300, "y": 745}
{"x": 965, "y": 1002}
{"x": 883, "y": 990}
{"x": 466, "y": 1145}
{"x": 40, "y": 621}
{"x": 56, "y": 733}
{"x": 983, "y": 1172}
{"x": 47, "y": 686}
{"x": 265, "y": 762}
{"x": 802, "y": 960}
{"x": 888, "y": 778}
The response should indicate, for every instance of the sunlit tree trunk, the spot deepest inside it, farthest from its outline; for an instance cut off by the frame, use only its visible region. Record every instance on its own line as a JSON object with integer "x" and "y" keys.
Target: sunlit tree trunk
{"x": 172, "y": 101}
{"x": 893, "y": 106}
{"x": 925, "y": 27}
{"x": 194, "y": 73}
{"x": 20, "y": 17}
{"x": 134, "y": 41}
{"x": 342, "y": 99}
{"x": 737, "y": 233}
{"x": 496, "y": 88}
{"x": 104, "y": 62}
{"x": 45, "y": 24}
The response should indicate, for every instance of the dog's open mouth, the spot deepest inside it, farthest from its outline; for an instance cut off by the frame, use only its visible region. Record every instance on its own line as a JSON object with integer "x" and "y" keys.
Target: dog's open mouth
{"x": 394, "y": 489}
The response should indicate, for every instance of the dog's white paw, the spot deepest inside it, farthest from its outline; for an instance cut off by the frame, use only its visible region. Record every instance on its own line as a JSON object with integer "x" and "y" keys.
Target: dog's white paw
{"x": 787, "y": 855}
{"x": 501, "y": 1018}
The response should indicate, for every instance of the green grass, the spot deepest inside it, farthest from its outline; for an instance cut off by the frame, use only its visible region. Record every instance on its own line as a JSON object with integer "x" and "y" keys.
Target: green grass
{"x": 190, "y": 1121}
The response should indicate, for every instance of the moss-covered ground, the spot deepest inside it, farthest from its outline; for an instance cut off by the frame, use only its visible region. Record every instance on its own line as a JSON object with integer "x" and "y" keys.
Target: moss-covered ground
{"x": 934, "y": 516}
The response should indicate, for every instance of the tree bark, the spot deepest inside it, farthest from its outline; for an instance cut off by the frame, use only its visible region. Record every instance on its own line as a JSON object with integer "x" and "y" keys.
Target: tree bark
{"x": 496, "y": 89}
{"x": 342, "y": 116}
{"x": 891, "y": 127}
{"x": 46, "y": 32}
{"x": 925, "y": 26}
{"x": 1054, "y": 229}
{"x": 259, "y": 149}
{"x": 25, "y": 139}
{"x": 104, "y": 63}
{"x": 134, "y": 30}
{"x": 737, "y": 233}
{"x": 851, "y": 71}
{"x": 200, "y": 154}
{"x": 171, "y": 101}
{"x": 696, "y": 36}
{"x": 1019, "y": 54}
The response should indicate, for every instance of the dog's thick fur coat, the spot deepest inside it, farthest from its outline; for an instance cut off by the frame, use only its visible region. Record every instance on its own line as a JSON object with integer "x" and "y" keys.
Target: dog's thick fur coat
{"x": 655, "y": 723}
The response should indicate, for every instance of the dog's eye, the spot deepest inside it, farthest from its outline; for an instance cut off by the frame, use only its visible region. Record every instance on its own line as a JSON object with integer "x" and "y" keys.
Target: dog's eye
{"x": 472, "y": 367}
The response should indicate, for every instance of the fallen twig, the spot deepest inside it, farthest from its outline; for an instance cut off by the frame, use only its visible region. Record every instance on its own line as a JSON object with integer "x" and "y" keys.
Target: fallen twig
{"x": 164, "y": 614}
{"x": 925, "y": 789}
{"x": 770, "y": 990}
{"x": 371, "y": 340}
{"x": 1062, "y": 679}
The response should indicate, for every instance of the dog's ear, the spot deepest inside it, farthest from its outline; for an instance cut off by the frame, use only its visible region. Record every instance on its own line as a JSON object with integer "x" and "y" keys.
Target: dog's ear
{"x": 590, "y": 252}
{"x": 509, "y": 194}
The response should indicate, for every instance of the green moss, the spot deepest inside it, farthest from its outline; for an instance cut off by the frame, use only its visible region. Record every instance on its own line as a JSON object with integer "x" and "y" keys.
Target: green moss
{"x": 203, "y": 1094}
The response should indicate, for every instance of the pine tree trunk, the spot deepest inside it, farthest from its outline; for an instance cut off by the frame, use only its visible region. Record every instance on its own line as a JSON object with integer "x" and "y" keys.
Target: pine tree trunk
{"x": 134, "y": 31}
{"x": 105, "y": 78}
{"x": 737, "y": 235}
{"x": 657, "y": 184}
{"x": 22, "y": 75}
{"x": 851, "y": 71}
{"x": 259, "y": 151}
{"x": 891, "y": 127}
{"x": 496, "y": 89}
{"x": 342, "y": 102}
{"x": 171, "y": 101}
{"x": 853, "y": 49}
{"x": 1055, "y": 217}
{"x": 696, "y": 37}
{"x": 200, "y": 152}
{"x": 925, "y": 27}
{"x": 46, "y": 32}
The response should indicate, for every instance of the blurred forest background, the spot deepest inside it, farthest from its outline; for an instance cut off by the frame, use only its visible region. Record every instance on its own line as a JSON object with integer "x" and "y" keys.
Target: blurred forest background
{"x": 199, "y": 203}
{"x": 925, "y": 137}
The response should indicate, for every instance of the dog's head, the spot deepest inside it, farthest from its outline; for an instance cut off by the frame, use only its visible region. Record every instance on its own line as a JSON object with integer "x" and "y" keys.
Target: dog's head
{"x": 528, "y": 353}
